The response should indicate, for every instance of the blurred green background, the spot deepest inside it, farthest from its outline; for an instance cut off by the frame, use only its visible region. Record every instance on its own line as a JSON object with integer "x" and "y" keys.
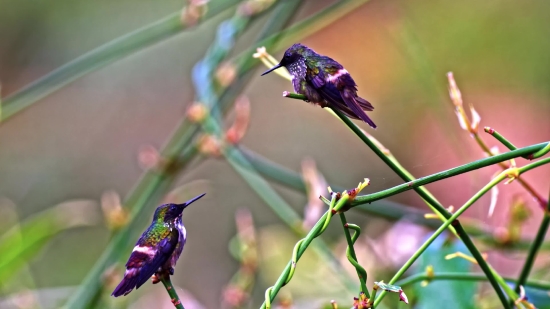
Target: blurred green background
{"x": 84, "y": 139}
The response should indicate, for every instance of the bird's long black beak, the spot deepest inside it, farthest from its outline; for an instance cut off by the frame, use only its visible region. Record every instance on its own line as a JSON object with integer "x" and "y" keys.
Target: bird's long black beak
{"x": 191, "y": 200}
{"x": 272, "y": 69}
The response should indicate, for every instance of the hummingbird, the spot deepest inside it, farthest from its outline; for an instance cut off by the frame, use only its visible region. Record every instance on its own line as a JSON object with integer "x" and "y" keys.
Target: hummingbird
{"x": 157, "y": 250}
{"x": 324, "y": 82}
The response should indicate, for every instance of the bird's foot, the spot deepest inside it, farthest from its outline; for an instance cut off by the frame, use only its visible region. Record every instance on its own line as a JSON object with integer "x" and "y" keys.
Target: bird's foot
{"x": 155, "y": 279}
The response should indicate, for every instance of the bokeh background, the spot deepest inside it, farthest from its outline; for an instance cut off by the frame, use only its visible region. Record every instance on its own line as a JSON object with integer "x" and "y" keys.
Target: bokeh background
{"x": 84, "y": 140}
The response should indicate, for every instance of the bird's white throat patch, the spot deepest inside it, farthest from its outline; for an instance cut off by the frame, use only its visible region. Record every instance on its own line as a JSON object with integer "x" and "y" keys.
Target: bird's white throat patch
{"x": 298, "y": 68}
{"x": 181, "y": 228}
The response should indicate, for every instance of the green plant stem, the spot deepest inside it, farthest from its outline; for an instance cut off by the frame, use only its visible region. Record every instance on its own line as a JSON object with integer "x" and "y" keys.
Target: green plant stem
{"x": 281, "y": 208}
{"x": 430, "y": 199}
{"x": 416, "y": 184}
{"x": 539, "y": 238}
{"x": 382, "y": 208}
{"x": 543, "y": 285}
{"x": 102, "y": 56}
{"x": 493, "y": 277}
{"x": 293, "y": 95}
{"x": 206, "y": 95}
{"x": 148, "y": 190}
{"x": 171, "y": 291}
{"x": 453, "y": 220}
{"x": 434, "y": 204}
{"x": 313, "y": 233}
{"x": 361, "y": 273}
{"x": 500, "y": 138}
{"x": 540, "y": 200}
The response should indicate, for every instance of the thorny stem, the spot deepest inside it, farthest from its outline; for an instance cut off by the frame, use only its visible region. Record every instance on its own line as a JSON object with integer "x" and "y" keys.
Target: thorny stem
{"x": 453, "y": 220}
{"x": 361, "y": 272}
{"x": 543, "y": 285}
{"x": 543, "y": 228}
{"x": 171, "y": 291}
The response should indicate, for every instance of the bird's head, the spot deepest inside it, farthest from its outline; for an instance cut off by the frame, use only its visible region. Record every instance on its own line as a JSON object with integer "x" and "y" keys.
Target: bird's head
{"x": 169, "y": 212}
{"x": 293, "y": 57}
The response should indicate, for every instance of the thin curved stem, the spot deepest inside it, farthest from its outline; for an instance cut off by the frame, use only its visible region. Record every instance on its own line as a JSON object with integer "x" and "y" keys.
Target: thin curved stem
{"x": 417, "y": 184}
{"x": 361, "y": 272}
{"x": 313, "y": 233}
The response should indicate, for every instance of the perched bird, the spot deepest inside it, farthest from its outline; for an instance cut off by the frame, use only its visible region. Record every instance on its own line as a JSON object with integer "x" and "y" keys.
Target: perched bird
{"x": 324, "y": 82}
{"x": 158, "y": 249}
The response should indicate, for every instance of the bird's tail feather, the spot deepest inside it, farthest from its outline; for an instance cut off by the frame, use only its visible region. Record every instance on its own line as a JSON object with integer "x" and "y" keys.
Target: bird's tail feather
{"x": 356, "y": 107}
{"x": 125, "y": 286}
{"x": 364, "y": 104}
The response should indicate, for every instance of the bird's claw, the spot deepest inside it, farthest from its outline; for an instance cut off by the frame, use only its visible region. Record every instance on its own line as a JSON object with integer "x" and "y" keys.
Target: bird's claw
{"x": 155, "y": 279}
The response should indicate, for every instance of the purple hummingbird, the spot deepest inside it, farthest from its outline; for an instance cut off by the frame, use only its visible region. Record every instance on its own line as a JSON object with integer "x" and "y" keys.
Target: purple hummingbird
{"x": 324, "y": 82}
{"x": 158, "y": 249}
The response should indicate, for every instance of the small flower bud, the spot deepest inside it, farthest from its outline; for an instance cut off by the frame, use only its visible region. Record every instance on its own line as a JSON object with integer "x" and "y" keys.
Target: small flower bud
{"x": 226, "y": 73}
{"x": 197, "y": 112}
{"x": 403, "y": 297}
{"x": 253, "y": 7}
{"x": 115, "y": 215}
{"x": 148, "y": 157}
{"x": 193, "y": 12}
{"x": 242, "y": 117}
{"x": 209, "y": 145}
{"x": 261, "y": 52}
{"x": 362, "y": 185}
{"x": 501, "y": 235}
{"x": 519, "y": 212}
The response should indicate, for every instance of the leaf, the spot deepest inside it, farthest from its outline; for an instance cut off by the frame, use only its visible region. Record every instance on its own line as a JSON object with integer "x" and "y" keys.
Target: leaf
{"x": 22, "y": 242}
{"x": 445, "y": 294}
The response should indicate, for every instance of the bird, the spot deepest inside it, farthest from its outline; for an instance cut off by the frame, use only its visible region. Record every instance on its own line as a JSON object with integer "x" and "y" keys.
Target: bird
{"x": 157, "y": 250}
{"x": 324, "y": 82}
